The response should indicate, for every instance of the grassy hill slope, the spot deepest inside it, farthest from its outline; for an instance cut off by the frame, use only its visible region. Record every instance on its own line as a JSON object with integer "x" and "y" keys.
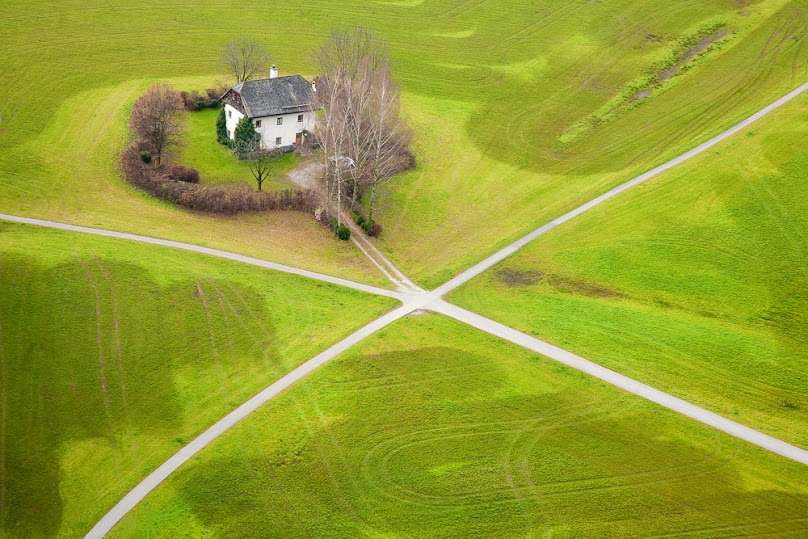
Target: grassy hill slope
{"x": 113, "y": 355}
{"x": 694, "y": 283}
{"x": 523, "y": 110}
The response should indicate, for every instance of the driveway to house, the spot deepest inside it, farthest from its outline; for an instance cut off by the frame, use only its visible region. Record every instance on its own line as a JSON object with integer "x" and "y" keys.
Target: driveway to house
{"x": 306, "y": 175}
{"x": 433, "y": 301}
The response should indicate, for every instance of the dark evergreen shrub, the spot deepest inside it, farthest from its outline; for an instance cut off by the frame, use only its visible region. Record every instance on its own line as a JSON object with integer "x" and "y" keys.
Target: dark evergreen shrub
{"x": 343, "y": 233}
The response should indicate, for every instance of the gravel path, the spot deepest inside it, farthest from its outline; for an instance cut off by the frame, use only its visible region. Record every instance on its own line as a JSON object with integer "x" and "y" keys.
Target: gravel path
{"x": 305, "y": 176}
{"x": 623, "y": 382}
{"x": 207, "y": 251}
{"x": 432, "y": 301}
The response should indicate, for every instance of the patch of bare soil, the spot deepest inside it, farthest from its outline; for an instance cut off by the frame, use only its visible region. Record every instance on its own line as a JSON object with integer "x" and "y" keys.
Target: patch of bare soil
{"x": 744, "y": 7}
{"x": 685, "y": 57}
{"x": 305, "y": 174}
{"x": 699, "y": 47}
{"x": 566, "y": 284}
{"x": 513, "y": 278}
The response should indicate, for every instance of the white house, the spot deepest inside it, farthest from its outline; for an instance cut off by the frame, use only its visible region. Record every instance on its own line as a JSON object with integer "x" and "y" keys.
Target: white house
{"x": 282, "y": 109}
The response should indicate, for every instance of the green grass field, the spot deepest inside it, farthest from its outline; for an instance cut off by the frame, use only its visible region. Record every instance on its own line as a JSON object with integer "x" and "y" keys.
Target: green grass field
{"x": 113, "y": 355}
{"x": 522, "y": 110}
{"x": 694, "y": 283}
{"x": 431, "y": 429}
{"x": 216, "y": 164}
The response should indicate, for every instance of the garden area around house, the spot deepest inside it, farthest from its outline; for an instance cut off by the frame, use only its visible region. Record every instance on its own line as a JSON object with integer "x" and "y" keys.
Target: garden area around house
{"x": 217, "y": 164}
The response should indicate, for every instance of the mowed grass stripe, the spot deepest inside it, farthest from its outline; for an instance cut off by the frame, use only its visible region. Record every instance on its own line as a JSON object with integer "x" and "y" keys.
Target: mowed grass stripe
{"x": 115, "y": 355}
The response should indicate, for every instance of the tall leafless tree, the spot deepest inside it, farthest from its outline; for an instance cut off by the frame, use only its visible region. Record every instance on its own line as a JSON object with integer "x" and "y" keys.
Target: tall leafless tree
{"x": 157, "y": 119}
{"x": 245, "y": 58}
{"x": 387, "y": 137}
{"x": 363, "y": 137}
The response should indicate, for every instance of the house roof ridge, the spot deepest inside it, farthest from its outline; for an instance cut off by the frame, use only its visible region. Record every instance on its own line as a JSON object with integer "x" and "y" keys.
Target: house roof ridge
{"x": 275, "y": 96}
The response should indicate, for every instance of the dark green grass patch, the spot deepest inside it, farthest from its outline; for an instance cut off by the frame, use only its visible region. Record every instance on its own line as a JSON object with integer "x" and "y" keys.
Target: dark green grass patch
{"x": 114, "y": 355}
{"x": 696, "y": 283}
{"x": 431, "y": 429}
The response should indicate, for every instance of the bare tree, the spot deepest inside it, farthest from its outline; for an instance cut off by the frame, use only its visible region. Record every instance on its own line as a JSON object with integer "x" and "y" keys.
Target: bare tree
{"x": 360, "y": 130}
{"x": 245, "y": 58}
{"x": 259, "y": 161}
{"x": 157, "y": 119}
{"x": 389, "y": 137}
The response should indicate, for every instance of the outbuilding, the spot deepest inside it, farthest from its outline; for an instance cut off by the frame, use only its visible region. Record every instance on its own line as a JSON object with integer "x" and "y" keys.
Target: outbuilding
{"x": 282, "y": 109}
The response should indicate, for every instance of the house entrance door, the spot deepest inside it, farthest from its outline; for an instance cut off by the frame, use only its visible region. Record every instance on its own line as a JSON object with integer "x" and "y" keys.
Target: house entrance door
{"x": 299, "y": 139}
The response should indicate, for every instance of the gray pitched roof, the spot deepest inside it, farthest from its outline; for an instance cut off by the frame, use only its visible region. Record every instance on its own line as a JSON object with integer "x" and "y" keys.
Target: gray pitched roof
{"x": 271, "y": 97}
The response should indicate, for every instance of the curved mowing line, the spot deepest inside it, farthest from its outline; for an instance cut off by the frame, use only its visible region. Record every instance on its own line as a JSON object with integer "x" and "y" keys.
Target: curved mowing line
{"x": 208, "y": 251}
{"x": 432, "y": 301}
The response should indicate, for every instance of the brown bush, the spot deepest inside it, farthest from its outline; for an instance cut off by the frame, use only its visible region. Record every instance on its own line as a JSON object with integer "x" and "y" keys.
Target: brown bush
{"x": 217, "y": 92}
{"x": 220, "y": 199}
{"x": 375, "y": 230}
{"x": 407, "y": 161}
{"x": 190, "y": 99}
{"x": 184, "y": 174}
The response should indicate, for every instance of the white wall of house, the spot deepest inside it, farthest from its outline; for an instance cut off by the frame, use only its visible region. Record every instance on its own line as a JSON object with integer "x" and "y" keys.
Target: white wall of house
{"x": 270, "y": 130}
{"x": 232, "y": 116}
{"x": 290, "y": 126}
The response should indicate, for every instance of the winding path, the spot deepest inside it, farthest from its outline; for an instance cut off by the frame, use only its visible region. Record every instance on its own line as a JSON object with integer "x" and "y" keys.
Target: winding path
{"x": 433, "y": 301}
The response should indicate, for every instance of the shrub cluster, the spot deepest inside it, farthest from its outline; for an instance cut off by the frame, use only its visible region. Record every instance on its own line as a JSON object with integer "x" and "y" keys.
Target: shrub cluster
{"x": 343, "y": 232}
{"x": 177, "y": 185}
{"x": 184, "y": 174}
{"x": 198, "y": 101}
{"x": 221, "y": 129}
{"x": 371, "y": 228}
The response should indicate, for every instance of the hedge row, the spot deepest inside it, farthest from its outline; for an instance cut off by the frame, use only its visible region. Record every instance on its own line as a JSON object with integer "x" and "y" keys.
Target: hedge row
{"x": 175, "y": 185}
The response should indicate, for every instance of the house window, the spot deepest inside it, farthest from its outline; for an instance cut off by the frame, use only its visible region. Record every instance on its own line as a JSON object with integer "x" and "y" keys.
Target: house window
{"x": 300, "y": 118}
{"x": 278, "y": 141}
{"x": 280, "y": 120}
{"x": 229, "y": 113}
{"x": 257, "y": 123}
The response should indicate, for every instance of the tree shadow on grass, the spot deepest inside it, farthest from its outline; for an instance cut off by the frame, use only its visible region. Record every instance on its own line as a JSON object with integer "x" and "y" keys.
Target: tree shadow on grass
{"x": 90, "y": 351}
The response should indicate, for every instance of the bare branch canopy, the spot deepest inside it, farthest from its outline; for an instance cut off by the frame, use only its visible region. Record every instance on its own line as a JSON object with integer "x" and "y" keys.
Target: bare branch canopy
{"x": 364, "y": 139}
{"x": 156, "y": 119}
{"x": 245, "y": 58}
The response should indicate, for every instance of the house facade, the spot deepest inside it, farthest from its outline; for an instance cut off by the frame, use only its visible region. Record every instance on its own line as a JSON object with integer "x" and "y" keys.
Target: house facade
{"x": 282, "y": 109}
